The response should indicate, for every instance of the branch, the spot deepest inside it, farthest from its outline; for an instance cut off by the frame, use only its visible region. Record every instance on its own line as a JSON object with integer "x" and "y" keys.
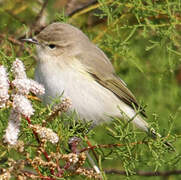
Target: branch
{"x": 36, "y": 27}
{"x": 142, "y": 173}
{"x": 111, "y": 145}
{"x": 84, "y": 6}
{"x": 12, "y": 39}
{"x": 15, "y": 42}
{"x": 39, "y": 16}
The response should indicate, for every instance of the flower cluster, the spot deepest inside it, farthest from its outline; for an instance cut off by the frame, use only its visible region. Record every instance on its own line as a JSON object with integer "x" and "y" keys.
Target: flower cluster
{"x": 45, "y": 133}
{"x": 59, "y": 108}
{"x": 20, "y": 104}
{"x": 24, "y": 86}
{"x": 22, "y": 83}
{"x": 18, "y": 69}
{"x": 14, "y": 170}
{"x": 12, "y": 130}
{"x": 21, "y": 86}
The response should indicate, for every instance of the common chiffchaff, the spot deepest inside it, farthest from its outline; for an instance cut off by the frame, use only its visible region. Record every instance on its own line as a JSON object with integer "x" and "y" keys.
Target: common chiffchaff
{"x": 69, "y": 62}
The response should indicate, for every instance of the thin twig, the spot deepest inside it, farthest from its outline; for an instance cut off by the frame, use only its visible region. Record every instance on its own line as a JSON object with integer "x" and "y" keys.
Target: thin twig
{"x": 95, "y": 167}
{"x": 33, "y": 98}
{"x": 36, "y": 26}
{"x": 92, "y": 149}
{"x": 33, "y": 175}
{"x": 39, "y": 16}
{"x": 81, "y": 8}
{"x": 110, "y": 145}
{"x": 12, "y": 40}
{"x": 38, "y": 140}
{"x": 15, "y": 42}
{"x": 34, "y": 132}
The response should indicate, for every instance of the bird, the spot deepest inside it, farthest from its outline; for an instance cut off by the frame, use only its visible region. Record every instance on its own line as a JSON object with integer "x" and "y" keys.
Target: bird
{"x": 69, "y": 63}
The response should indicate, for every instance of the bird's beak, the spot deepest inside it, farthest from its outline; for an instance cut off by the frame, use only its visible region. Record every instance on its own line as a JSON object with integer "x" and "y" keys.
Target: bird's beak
{"x": 30, "y": 40}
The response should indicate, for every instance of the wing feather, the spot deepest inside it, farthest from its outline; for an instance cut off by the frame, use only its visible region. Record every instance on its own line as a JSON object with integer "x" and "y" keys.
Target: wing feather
{"x": 99, "y": 66}
{"x": 120, "y": 90}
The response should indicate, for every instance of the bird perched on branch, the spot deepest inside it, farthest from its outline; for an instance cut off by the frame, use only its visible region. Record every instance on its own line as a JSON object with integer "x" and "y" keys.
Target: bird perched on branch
{"x": 69, "y": 62}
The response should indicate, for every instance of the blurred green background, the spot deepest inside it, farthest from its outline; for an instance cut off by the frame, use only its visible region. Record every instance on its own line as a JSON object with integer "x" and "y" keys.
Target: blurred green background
{"x": 143, "y": 41}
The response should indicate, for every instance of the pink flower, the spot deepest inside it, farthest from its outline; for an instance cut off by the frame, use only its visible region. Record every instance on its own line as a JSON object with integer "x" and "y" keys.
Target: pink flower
{"x": 13, "y": 129}
{"x": 22, "y": 105}
{"x": 18, "y": 69}
{"x": 22, "y": 86}
{"x": 36, "y": 88}
{"x": 46, "y": 133}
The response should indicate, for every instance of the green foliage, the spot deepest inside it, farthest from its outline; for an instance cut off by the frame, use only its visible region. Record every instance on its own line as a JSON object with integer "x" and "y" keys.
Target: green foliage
{"x": 142, "y": 40}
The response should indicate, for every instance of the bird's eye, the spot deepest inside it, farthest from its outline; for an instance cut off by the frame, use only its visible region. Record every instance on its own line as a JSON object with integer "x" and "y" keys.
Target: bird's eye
{"x": 51, "y": 46}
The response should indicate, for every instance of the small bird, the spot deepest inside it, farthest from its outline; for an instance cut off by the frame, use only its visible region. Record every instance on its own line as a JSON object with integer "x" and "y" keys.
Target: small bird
{"x": 69, "y": 63}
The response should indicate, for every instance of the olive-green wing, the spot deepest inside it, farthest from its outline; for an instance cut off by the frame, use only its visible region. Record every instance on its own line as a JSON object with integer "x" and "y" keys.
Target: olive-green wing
{"x": 99, "y": 66}
{"x": 118, "y": 87}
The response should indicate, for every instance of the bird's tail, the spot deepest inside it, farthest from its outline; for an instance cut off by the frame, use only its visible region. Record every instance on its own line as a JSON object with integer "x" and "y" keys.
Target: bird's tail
{"x": 141, "y": 124}
{"x": 155, "y": 135}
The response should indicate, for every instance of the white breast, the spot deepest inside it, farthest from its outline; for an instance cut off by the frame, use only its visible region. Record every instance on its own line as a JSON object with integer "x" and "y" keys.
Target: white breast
{"x": 89, "y": 99}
